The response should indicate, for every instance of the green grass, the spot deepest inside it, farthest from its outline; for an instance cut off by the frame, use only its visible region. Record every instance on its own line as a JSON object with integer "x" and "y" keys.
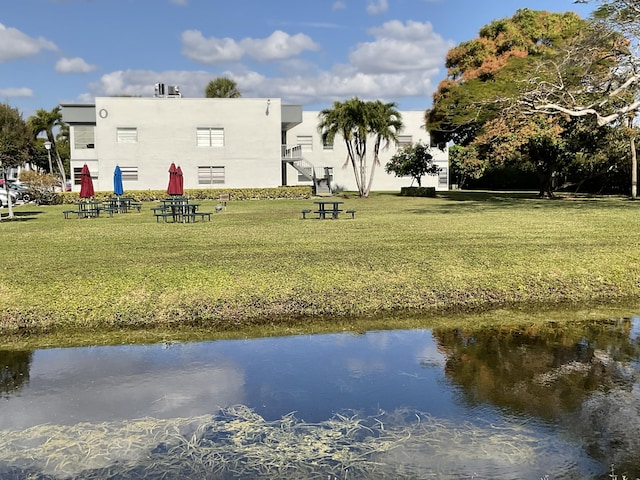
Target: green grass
{"x": 259, "y": 265}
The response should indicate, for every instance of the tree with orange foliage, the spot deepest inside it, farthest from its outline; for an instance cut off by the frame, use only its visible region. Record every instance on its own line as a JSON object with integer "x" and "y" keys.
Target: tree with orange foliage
{"x": 606, "y": 61}
{"x": 478, "y": 106}
{"x": 491, "y": 67}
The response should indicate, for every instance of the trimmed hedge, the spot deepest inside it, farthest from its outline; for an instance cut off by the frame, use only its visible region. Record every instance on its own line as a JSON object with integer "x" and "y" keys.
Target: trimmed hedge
{"x": 290, "y": 193}
{"x": 418, "y": 191}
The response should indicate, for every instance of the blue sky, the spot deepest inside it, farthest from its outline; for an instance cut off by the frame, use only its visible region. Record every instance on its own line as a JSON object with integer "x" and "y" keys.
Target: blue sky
{"x": 309, "y": 52}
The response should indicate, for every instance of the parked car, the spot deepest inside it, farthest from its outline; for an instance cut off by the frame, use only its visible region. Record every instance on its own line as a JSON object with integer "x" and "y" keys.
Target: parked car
{"x": 3, "y": 197}
{"x": 22, "y": 191}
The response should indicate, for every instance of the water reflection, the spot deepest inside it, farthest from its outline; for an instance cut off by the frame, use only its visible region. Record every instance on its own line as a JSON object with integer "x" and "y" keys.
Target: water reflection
{"x": 14, "y": 371}
{"x": 557, "y": 400}
{"x": 542, "y": 370}
{"x": 106, "y": 383}
{"x": 584, "y": 377}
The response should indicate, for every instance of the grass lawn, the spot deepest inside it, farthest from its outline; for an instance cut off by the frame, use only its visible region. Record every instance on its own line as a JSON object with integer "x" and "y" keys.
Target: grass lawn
{"x": 259, "y": 264}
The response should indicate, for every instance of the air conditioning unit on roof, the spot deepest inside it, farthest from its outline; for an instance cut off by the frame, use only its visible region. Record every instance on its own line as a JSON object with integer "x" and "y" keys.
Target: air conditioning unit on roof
{"x": 159, "y": 90}
{"x": 173, "y": 91}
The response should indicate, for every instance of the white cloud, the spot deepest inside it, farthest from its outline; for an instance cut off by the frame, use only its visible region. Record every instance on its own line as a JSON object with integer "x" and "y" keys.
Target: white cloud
{"x": 401, "y": 47}
{"x": 180, "y": 3}
{"x": 74, "y": 65}
{"x": 22, "y": 92}
{"x": 15, "y": 44}
{"x": 209, "y": 50}
{"x": 402, "y": 61}
{"x": 338, "y": 6}
{"x": 278, "y": 46}
{"x": 376, "y": 7}
{"x": 141, "y": 83}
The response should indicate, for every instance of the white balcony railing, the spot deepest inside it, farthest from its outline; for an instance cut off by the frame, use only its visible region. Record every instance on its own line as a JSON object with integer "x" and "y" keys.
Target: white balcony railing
{"x": 291, "y": 152}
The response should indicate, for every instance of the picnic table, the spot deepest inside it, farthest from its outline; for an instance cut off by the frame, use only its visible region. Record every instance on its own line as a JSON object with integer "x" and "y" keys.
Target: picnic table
{"x": 87, "y": 209}
{"x": 122, "y": 204}
{"x": 328, "y": 209}
{"x": 179, "y": 210}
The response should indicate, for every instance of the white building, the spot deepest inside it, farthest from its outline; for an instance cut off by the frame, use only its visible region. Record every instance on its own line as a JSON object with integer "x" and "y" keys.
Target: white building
{"x": 220, "y": 143}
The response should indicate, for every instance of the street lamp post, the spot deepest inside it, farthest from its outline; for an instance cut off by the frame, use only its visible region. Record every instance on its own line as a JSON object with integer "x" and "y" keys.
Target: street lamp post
{"x": 47, "y": 145}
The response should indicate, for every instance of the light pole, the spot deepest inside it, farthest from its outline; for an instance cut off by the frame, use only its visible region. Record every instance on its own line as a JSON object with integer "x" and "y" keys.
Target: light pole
{"x": 47, "y": 145}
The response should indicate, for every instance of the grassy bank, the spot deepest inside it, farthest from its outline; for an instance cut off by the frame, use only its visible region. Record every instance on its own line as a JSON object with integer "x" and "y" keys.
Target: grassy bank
{"x": 258, "y": 263}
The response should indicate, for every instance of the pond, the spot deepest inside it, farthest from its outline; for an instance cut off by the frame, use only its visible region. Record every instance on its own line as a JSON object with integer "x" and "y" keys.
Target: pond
{"x": 554, "y": 401}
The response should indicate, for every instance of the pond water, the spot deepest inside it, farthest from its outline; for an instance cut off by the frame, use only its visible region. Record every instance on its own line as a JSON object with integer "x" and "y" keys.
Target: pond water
{"x": 555, "y": 401}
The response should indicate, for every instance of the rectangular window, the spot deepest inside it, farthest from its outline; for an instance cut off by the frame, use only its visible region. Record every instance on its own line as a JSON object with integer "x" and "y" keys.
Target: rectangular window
{"x": 404, "y": 141}
{"x": 210, "y": 137}
{"x": 83, "y": 136}
{"x": 210, "y": 175}
{"x": 129, "y": 174}
{"x": 127, "y": 135}
{"x": 326, "y": 145}
{"x": 443, "y": 180}
{"x": 77, "y": 176}
{"x": 307, "y": 176}
{"x": 305, "y": 142}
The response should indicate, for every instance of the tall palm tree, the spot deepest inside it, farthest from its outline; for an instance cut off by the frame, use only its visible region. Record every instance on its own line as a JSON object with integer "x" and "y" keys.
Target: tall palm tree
{"x": 358, "y": 121}
{"x": 385, "y": 123}
{"x": 222, "y": 87}
{"x": 347, "y": 120}
{"x": 45, "y": 121}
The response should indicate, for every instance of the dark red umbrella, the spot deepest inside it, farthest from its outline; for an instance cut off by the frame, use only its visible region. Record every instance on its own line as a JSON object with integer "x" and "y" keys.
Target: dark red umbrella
{"x": 174, "y": 185}
{"x": 180, "y": 181}
{"x": 86, "y": 183}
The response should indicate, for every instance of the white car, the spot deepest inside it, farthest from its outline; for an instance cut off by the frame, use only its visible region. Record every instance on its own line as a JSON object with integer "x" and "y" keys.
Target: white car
{"x": 3, "y": 197}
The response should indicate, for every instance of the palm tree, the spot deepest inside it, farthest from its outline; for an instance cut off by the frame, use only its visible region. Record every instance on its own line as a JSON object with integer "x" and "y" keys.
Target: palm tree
{"x": 356, "y": 121}
{"x": 45, "y": 121}
{"x": 222, "y": 87}
{"x": 385, "y": 123}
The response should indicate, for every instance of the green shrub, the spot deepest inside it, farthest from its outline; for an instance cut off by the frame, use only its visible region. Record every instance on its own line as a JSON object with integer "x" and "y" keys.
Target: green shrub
{"x": 291, "y": 193}
{"x": 418, "y": 191}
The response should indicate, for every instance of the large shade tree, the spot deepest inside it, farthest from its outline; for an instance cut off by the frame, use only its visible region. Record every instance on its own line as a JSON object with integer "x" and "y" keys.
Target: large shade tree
{"x": 15, "y": 143}
{"x": 474, "y": 106}
{"x": 597, "y": 75}
{"x": 606, "y": 59}
{"x": 361, "y": 124}
{"x": 45, "y": 121}
{"x": 222, "y": 87}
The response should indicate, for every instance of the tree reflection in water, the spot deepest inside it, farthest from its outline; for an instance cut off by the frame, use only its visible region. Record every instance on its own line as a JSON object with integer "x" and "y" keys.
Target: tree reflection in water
{"x": 582, "y": 375}
{"x": 14, "y": 371}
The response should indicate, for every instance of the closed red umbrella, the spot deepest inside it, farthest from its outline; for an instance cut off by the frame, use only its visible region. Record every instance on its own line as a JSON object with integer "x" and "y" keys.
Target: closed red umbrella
{"x": 174, "y": 185}
{"x": 86, "y": 183}
{"x": 180, "y": 181}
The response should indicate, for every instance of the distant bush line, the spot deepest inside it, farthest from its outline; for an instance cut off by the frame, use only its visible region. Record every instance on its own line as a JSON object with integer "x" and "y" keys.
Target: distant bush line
{"x": 290, "y": 193}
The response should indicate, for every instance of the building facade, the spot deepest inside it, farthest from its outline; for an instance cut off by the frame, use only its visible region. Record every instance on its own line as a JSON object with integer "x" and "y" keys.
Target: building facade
{"x": 220, "y": 143}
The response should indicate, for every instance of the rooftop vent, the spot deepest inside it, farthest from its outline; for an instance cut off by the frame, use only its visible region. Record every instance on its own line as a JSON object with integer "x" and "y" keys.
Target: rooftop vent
{"x": 170, "y": 91}
{"x": 159, "y": 90}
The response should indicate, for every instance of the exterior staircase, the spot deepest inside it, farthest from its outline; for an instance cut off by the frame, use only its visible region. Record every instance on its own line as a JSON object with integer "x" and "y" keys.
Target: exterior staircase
{"x": 320, "y": 177}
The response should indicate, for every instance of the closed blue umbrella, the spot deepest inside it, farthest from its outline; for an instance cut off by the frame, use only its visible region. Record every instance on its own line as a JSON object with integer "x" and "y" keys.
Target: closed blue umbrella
{"x": 118, "y": 189}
